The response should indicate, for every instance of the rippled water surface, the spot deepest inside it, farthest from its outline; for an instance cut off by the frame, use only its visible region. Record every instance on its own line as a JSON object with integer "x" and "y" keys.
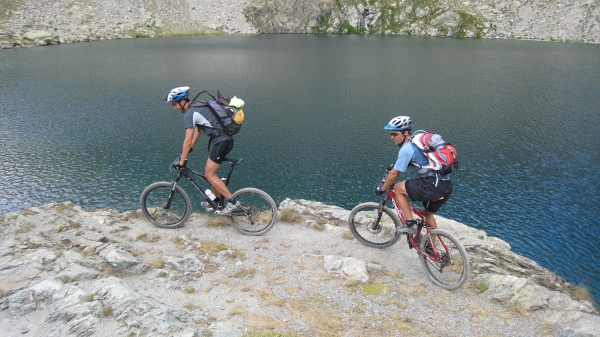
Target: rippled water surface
{"x": 87, "y": 122}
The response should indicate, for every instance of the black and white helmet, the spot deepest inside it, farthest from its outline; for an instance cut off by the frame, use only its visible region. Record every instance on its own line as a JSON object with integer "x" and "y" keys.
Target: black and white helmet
{"x": 399, "y": 123}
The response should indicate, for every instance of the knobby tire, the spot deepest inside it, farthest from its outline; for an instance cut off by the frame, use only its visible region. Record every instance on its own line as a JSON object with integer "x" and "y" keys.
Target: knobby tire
{"x": 155, "y": 198}
{"x": 365, "y": 228}
{"x": 258, "y": 215}
{"x": 453, "y": 269}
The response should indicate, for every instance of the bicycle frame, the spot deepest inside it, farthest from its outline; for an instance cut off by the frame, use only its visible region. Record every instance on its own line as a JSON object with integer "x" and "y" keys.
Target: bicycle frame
{"x": 187, "y": 172}
{"x": 414, "y": 239}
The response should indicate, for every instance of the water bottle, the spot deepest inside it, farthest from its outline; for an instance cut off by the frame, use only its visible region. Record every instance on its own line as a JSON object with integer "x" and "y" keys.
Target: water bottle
{"x": 209, "y": 193}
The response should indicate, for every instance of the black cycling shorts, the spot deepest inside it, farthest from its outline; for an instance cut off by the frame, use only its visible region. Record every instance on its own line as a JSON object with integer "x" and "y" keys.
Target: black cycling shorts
{"x": 424, "y": 189}
{"x": 220, "y": 150}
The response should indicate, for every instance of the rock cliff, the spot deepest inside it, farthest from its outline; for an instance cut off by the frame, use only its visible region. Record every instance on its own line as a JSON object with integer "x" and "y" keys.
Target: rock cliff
{"x": 69, "y": 272}
{"x": 43, "y": 22}
{"x": 557, "y": 20}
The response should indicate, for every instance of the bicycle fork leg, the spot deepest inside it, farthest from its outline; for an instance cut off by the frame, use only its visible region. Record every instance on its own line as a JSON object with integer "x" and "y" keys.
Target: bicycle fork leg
{"x": 171, "y": 194}
{"x": 377, "y": 221}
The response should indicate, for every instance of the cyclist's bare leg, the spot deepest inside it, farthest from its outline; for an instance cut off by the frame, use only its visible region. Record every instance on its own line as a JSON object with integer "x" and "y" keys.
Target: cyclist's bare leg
{"x": 430, "y": 220}
{"x": 219, "y": 187}
{"x": 402, "y": 199}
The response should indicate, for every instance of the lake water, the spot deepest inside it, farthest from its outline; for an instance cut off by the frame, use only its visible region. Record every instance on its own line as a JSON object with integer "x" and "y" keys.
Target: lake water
{"x": 87, "y": 122}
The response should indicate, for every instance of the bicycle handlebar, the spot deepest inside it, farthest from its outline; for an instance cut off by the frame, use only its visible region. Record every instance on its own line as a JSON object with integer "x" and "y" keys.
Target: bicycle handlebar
{"x": 175, "y": 164}
{"x": 380, "y": 184}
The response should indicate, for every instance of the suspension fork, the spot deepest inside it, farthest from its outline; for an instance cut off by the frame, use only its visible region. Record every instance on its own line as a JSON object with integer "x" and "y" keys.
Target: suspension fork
{"x": 173, "y": 187}
{"x": 376, "y": 225}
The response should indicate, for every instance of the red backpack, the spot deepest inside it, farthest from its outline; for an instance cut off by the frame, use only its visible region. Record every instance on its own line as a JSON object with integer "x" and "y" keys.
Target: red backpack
{"x": 442, "y": 156}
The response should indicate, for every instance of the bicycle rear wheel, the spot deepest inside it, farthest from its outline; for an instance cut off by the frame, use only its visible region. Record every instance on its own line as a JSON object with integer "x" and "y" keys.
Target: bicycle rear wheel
{"x": 450, "y": 267}
{"x": 165, "y": 207}
{"x": 258, "y": 214}
{"x": 372, "y": 227}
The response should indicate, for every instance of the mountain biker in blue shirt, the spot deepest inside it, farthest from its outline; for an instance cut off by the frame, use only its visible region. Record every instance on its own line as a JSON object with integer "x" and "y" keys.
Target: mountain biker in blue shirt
{"x": 198, "y": 120}
{"x": 432, "y": 189}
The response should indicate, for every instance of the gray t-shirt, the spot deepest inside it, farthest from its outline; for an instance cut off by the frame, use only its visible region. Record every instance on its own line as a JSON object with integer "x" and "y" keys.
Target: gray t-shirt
{"x": 203, "y": 118}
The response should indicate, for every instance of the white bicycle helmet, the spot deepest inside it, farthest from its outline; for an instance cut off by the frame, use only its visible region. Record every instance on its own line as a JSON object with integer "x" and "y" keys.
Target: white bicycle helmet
{"x": 399, "y": 123}
{"x": 177, "y": 94}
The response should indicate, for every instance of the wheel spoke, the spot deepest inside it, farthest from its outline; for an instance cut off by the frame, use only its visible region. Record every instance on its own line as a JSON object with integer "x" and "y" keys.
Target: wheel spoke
{"x": 163, "y": 207}
{"x": 257, "y": 214}
{"x": 373, "y": 227}
{"x": 449, "y": 268}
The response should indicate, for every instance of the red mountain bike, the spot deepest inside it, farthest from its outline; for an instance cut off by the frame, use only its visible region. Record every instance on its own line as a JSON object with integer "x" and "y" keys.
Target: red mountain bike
{"x": 441, "y": 254}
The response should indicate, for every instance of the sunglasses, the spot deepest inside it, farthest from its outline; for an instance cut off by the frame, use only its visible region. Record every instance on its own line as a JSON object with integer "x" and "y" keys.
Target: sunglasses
{"x": 394, "y": 134}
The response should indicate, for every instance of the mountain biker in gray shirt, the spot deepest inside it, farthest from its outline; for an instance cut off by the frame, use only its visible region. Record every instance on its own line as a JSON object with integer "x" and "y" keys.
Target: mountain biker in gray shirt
{"x": 198, "y": 120}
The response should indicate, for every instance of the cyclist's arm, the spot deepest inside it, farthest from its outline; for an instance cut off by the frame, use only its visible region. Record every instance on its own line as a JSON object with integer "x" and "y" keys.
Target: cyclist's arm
{"x": 404, "y": 157}
{"x": 391, "y": 178}
{"x": 187, "y": 145}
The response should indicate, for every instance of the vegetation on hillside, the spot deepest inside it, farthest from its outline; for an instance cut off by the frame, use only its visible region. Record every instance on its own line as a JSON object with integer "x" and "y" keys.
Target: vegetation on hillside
{"x": 393, "y": 17}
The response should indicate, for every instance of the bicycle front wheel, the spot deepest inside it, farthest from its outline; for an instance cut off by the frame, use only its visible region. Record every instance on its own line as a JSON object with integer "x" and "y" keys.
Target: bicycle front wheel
{"x": 449, "y": 267}
{"x": 372, "y": 227}
{"x": 258, "y": 213}
{"x": 164, "y": 206}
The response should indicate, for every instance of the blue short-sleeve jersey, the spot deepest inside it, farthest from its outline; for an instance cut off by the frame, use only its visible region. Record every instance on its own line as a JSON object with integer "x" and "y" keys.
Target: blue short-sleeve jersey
{"x": 409, "y": 152}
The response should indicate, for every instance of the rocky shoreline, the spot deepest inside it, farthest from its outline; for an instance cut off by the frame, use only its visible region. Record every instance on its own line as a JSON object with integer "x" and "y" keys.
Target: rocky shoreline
{"x": 66, "y": 271}
{"x": 25, "y": 23}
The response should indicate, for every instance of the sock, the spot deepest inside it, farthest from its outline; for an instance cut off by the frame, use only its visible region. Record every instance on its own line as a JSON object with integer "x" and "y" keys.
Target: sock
{"x": 410, "y": 223}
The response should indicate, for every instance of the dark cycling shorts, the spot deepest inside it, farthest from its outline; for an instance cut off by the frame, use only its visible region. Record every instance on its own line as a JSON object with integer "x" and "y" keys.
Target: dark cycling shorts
{"x": 424, "y": 189}
{"x": 220, "y": 150}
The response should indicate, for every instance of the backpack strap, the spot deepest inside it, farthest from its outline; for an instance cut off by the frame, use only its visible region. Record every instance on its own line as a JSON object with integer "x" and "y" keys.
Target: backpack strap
{"x": 422, "y": 140}
{"x": 220, "y": 99}
{"x": 212, "y": 109}
{"x": 203, "y": 92}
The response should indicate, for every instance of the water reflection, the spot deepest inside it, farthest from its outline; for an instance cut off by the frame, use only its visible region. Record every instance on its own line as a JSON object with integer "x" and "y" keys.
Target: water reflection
{"x": 87, "y": 122}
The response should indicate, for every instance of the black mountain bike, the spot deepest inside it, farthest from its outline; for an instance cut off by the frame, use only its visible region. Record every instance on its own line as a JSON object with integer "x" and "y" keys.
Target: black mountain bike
{"x": 166, "y": 204}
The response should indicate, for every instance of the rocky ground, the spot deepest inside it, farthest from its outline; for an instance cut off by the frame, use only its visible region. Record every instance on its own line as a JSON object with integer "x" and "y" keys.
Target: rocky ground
{"x": 25, "y": 23}
{"x": 69, "y": 272}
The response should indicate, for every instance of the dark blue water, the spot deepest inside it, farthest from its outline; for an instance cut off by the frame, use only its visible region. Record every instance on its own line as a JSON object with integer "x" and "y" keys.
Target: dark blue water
{"x": 87, "y": 122}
